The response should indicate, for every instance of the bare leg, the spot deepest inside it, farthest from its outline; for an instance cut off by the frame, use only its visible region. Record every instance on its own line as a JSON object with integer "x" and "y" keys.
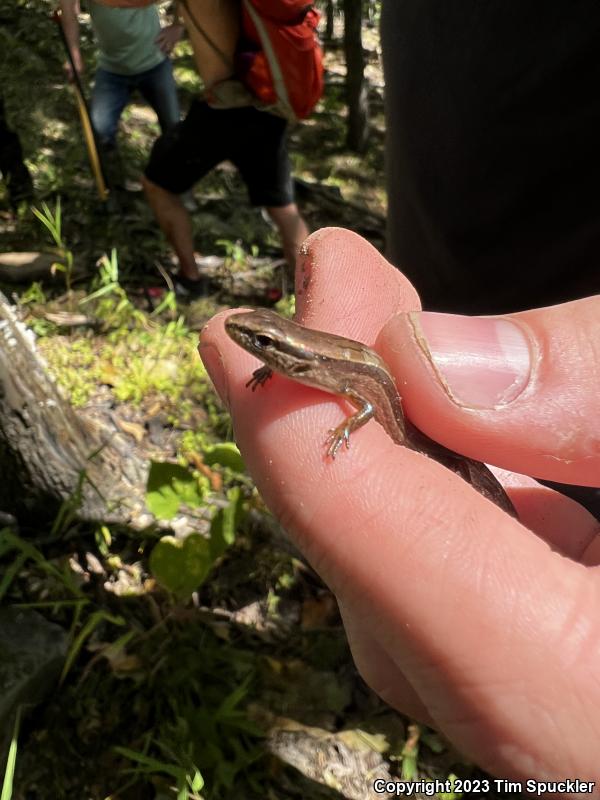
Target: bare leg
{"x": 292, "y": 229}
{"x": 175, "y": 223}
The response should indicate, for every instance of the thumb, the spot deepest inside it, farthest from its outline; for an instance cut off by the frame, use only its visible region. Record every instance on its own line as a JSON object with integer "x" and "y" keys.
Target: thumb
{"x": 520, "y": 391}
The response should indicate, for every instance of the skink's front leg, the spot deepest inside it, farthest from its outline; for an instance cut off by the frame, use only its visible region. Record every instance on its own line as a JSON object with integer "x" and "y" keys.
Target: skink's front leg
{"x": 260, "y": 376}
{"x": 341, "y": 434}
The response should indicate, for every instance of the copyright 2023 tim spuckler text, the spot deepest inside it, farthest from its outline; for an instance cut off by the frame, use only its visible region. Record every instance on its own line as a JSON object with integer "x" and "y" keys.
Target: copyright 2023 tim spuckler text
{"x": 459, "y": 786}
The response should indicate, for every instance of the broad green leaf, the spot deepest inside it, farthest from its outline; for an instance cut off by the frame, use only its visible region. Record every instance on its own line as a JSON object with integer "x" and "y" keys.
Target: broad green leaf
{"x": 181, "y": 565}
{"x": 226, "y": 454}
{"x": 169, "y": 486}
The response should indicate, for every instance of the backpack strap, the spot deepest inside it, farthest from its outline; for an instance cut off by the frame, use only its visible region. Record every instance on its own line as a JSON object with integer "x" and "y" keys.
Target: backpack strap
{"x": 210, "y": 41}
{"x": 283, "y": 100}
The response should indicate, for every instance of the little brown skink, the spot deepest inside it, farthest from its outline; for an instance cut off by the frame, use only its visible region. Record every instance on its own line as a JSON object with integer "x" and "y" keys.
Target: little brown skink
{"x": 353, "y": 371}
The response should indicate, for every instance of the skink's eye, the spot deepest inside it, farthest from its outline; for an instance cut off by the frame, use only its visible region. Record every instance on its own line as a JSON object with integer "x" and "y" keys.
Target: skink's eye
{"x": 262, "y": 342}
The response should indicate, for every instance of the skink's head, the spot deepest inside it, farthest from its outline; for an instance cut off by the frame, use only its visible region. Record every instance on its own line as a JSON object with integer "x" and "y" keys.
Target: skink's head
{"x": 279, "y": 343}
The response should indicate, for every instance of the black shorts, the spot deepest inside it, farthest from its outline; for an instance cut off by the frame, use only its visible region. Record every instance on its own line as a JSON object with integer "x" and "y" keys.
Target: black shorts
{"x": 255, "y": 141}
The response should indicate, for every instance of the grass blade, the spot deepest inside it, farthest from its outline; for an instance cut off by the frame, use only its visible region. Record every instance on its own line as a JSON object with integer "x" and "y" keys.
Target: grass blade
{"x": 9, "y": 773}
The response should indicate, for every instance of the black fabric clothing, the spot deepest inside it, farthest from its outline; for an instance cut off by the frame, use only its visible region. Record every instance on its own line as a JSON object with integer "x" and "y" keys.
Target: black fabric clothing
{"x": 493, "y": 150}
{"x": 12, "y": 166}
{"x": 255, "y": 141}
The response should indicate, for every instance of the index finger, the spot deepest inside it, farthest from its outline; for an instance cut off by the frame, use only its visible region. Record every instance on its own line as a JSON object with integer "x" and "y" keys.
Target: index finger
{"x": 363, "y": 289}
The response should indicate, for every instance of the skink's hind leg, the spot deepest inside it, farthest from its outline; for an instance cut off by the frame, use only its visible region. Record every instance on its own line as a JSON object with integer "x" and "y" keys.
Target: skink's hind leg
{"x": 260, "y": 376}
{"x": 336, "y": 437}
{"x": 341, "y": 434}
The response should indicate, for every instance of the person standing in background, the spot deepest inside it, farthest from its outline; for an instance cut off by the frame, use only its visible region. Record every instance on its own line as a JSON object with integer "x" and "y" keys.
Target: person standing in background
{"x": 254, "y": 140}
{"x": 133, "y": 55}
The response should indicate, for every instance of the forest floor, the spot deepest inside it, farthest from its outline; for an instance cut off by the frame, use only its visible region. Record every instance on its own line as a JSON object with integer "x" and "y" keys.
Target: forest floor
{"x": 238, "y": 683}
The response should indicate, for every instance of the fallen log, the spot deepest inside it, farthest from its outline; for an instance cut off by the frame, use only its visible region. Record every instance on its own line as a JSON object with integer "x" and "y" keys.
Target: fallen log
{"x": 48, "y": 452}
{"x": 25, "y": 267}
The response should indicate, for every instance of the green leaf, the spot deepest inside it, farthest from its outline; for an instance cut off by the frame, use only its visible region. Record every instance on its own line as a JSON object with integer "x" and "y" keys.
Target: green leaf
{"x": 226, "y": 454}
{"x": 433, "y": 741}
{"x": 9, "y": 773}
{"x": 168, "y": 487}
{"x": 11, "y": 572}
{"x": 225, "y": 523}
{"x": 196, "y": 781}
{"x": 230, "y": 703}
{"x": 52, "y": 222}
{"x": 452, "y": 795}
{"x": 150, "y": 764}
{"x": 181, "y": 565}
{"x": 92, "y": 622}
{"x": 11, "y": 541}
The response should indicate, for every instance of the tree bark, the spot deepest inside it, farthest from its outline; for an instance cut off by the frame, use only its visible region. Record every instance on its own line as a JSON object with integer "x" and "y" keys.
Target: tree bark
{"x": 356, "y": 86}
{"x": 48, "y": 453}
{"x": 329, "y": 19}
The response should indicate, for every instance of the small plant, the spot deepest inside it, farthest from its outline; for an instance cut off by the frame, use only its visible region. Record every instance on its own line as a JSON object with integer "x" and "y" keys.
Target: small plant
{"x": 93, "y": 621}
{"x": 34, "y": 295}
{"x": 169, "y": 486}
{"x": 286, "y": 306}
{"x": 206, "y": 744}
{"x": 234, "y": 252}
{"x": 23, "y": 552}
{"x": 182, "y": 565}
{"x": 410, "y": 753}
{"x": 187, "y": 777}
{"x": 451, "y": 795}
{"x": 52, "y": 221}
{"x": 168, "y": 303}
{"x": 114, "y": 306}
{"x": 139, "y": 359}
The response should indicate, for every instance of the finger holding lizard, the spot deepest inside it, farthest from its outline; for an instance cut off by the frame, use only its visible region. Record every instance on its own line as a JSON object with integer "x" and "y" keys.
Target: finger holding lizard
{"x": 456, "y": 612}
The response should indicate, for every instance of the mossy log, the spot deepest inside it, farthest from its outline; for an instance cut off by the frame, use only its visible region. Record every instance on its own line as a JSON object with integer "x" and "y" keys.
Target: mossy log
{"x": 48, "y": 452}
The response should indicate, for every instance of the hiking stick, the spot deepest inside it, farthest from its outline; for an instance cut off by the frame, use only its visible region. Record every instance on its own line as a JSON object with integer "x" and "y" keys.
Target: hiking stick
{"x": 84, "y": 116}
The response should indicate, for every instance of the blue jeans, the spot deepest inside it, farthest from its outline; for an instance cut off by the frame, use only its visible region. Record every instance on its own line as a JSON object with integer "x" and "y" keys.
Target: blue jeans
{"x": 112, "y": 93}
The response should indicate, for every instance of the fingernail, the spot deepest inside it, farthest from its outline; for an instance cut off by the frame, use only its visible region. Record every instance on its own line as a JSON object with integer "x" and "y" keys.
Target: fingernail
{"x": 213, "y": 361}
{"x": 481, "y": 361}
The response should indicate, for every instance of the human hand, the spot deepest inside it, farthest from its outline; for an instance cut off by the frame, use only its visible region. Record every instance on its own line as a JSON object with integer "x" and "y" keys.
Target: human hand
{"x": 482, "y": 626}
{"x": 79, "y": 66}
{"x": 168, "y": 37}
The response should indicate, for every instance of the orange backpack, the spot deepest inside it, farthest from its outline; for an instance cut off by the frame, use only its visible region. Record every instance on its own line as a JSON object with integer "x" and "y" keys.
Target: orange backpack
{"x": 279, "y": 57}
